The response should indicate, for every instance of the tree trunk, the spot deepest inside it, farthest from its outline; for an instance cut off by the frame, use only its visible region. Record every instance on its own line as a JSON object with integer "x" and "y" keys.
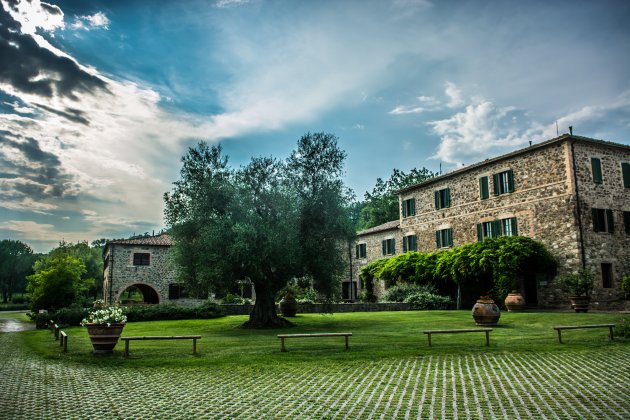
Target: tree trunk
{"x": 264, "y": 314}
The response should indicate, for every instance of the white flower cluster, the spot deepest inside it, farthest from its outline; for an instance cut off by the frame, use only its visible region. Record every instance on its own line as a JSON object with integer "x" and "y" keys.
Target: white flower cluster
{"x": 105, "y": 316}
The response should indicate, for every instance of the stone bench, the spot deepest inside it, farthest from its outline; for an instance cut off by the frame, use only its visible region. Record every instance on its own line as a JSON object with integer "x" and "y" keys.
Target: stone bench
{"x": 194, "y": 339}
{"x": 559, "y": 328}
{"x": 282, "y": 337}
{"x": 486, "y": 330}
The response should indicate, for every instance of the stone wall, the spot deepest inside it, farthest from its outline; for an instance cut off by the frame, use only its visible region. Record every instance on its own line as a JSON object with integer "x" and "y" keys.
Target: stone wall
{"x": 318, "y": 308}
{"x": 374, "y": 250}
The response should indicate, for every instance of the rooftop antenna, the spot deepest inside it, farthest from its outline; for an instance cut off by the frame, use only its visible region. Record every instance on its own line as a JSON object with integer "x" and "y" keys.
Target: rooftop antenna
{"x": 530, "y": 143}
{"x": 557, "y": 131}
{"x": 440, "y": 168}
{"x": 571, "y": 130}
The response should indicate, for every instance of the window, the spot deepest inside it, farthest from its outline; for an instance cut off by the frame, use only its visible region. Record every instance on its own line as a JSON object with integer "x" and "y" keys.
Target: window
{"x": 410, "y": 243}
{"x": 176, "y": 291}
{"x": 625, "y": 171}
{"x": 444, "y": 238}
{"x": 409, "y": 207}
{"x": 503, "y": 182}
{"x": 508, "y": 227}
{"x": 361, "y": 251}
{"x": 484, "y": 191}
{"x": 442, "y": 198}
{"x": 626, "y": 221}
{"x": 140, "y": 258}
{"x": 607, "y": 279}
{"x": 496, "y": 228}
{"x": 603, "y": 220}
{"x": 389, "y": 247}
{"x": 596, "y": 168}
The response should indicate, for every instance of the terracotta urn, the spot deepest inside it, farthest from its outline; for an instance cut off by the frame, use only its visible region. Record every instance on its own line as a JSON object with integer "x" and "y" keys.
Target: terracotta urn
{"x": 103, "y": 337}
{"x": 580, "y": 303}
{"x": 515, "y": 302}
{"x": 288, "y": 305}
{"x": 485, "y": 312}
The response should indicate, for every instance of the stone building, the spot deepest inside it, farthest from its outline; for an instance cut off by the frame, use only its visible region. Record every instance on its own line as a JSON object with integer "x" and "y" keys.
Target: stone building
{"x": 571, "y": 193}
{"x": 142, "y": 263}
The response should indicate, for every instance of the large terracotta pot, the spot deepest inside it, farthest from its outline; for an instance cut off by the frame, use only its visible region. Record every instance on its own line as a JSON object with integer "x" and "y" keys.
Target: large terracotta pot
{"x": 515, "y": 302}
{"x": 104, "y": 338}
{"x": 486, "y": 313}
{"x": 288, "y": 305}
{"x": 580, "y": 303}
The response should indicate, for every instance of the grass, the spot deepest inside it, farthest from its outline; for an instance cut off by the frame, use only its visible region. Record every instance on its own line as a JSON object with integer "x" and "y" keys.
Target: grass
{"x": 375, "y": 336}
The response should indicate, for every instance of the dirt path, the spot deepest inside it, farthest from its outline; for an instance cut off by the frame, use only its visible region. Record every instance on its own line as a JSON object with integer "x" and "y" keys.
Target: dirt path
{"x": 13, "y": 325}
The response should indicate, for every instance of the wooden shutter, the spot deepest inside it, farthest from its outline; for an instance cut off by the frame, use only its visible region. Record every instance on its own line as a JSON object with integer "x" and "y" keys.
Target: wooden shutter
{"x": 495, "y": 183}
{"x": 625, "y": 170}
{"x": 514, "y": 227}
{"x": 447, "y": 197}
{"x": 449, "y": 237}
{"x": 496, "y": 228}
{"x": 437, "y": 200}
{"x": 610, "y": 223}
{"x": 483, "y": 187}
{"x": 438, "y": 239}
{"x": 393, "y": 242}
{"x": 595, "y": 215}
{"x": 479, "y": 232}
{"x": 510, "y": 177}
{"x": 404, "y": 208}
{"x": 356, "y": 248}
{"x": 404, "y": 243}
{"x": 384, "y": 243}
{"x": 414, "y": 245}
{"x": 596, "y": 166}
{"x": 412, "y": 202}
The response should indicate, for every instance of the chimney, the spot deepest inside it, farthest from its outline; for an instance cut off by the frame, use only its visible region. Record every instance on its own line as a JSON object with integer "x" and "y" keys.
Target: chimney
{"x": 571, "y": 129}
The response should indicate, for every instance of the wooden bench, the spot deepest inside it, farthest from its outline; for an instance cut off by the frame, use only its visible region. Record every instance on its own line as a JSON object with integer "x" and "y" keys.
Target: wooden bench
{"x": 282, "y": 337}
{"x": 63, "y": 342}
{"x": 194, "y": 338}
{"x": 486, "y": 330}
{"x": 559, "y": 328}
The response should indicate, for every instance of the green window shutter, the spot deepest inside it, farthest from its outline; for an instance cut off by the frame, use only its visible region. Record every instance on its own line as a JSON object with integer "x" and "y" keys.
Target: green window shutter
{"x": 393, "y": 241}
{"x": 610, "y": 222}
{"x": 437, "y": 200}
{"x": 414, "y": 245}
{"x": 404, "y": 244}
{"x": 496, "y": 228}
{"x": 625, "y": 169}
{"x": 438, "y": 239}
{"x": 356, "y": 249}
{"x": 479, "y": 232}
{"x": 596, "y": 165}
{"x": 412, "y": 201}
{"x": 495, "y": 183}
{"x": 447, "y": 198}
{"x": 626, "y": 221}
{"x": 514, "y": 226}
{"x": 384, "y": 243}
{"x": 483, "y": 187}
{"x": 449, "y": 237}
{"x": 510, "y": 175}
{"x": 404, "y": 208}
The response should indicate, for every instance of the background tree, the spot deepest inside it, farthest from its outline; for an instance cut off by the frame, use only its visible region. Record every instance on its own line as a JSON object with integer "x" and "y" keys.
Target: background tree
{"x": 268, "y": 222}
{"x": 56, "y": 283}
{"x": 92, "y": 258}
{"x": 16, "y": 262}
{"x": 381, "y": 205}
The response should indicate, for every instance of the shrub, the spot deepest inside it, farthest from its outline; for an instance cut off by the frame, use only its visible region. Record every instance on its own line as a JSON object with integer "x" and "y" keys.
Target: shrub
{"x": 73, "y": 315}
{"x": 20, "y": 300}
{"x": 622, "y": 327}
{"x": 577, "y": 284}
{"x": 427, "y": 301}
{"x": 232, "y": 299}
{"x": 625, "y": 286}
{"x": 169, "y": 312}
{"x": 400, "y": 292}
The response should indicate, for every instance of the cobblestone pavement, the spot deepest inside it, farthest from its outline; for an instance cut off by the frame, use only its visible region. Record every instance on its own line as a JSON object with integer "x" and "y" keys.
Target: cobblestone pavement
{"x": 563, "y": 385}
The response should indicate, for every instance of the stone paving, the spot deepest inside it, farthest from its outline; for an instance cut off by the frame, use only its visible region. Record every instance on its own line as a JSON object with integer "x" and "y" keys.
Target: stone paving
{"x": 564, "y": 385}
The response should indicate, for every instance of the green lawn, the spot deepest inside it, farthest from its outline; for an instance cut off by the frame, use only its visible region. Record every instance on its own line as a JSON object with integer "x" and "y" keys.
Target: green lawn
{"x": 389, "y": 371}
{"x": 375, "y": 335}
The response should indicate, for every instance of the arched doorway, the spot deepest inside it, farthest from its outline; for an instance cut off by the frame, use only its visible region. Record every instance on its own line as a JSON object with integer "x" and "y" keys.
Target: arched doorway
{"x": 138, "y": 293}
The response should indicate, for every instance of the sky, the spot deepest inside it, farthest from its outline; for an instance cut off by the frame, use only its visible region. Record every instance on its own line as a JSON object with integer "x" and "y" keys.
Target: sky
{"x": 99, "y": 100}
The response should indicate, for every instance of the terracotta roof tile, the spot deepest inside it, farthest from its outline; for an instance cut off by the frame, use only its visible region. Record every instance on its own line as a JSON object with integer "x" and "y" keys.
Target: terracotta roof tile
{"x": 385, "y": 226}
{"x": 160, "y": 240}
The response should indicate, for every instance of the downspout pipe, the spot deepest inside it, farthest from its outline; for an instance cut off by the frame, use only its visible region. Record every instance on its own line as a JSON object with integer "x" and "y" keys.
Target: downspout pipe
{"x": 577, "y": 203}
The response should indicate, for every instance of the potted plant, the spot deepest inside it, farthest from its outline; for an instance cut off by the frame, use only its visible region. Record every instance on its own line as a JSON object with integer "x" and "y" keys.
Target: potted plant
{"x": 485, "y": 312}
{"x": 579, "y": 287}
{"x": 104, "y": 324}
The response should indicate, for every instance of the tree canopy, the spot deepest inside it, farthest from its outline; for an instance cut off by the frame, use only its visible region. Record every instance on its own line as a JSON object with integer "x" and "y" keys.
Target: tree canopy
{"x": 269, "y": 222}
{"x": 16, "y": 261}
{"x": 57, "y": 283}
{"x": 381, "y": 205}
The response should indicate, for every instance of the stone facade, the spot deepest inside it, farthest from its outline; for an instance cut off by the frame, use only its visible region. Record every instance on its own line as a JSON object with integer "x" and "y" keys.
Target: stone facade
{"x": 545, "y": 192}
{"x": 144, "y": 263}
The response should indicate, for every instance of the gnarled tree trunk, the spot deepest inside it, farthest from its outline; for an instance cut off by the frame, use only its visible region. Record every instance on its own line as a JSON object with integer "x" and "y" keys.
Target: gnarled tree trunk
{"x": 264, "y": 314}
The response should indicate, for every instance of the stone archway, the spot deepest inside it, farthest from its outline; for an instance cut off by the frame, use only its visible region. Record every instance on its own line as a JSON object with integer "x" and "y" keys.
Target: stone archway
{"x": 148, "y": 292}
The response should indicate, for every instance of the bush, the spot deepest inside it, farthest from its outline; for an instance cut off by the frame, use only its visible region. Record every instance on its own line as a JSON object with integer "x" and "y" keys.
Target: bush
{"x": 70, "y": 316}
{"x": 18, "y": 300}
{"x": 169, "y": 312}
{"x": 232, "y": 299}
{"x": 625, "y": 286}
{"x": 622, "y": 327}
{"x": 427, "y": 301}
{"x": 400, "y": 292}
{"x": 576, "y": 284}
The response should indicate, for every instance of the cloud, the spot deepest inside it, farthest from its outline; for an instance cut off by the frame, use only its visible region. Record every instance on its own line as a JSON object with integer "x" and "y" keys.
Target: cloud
{"x": 89, "y": 22}
{"x": 454, "y": 95}
{"x": 34, "y": 14}
{"x": 223, "y": 4}
{"x": 28, "y": 229}
{"x": 401, "y": 110}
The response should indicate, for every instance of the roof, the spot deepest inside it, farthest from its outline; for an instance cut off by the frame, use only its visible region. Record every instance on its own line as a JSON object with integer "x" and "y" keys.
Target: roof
{"x": 394, "y": 224}
{"x": 560, "y": 139}
{"x": 160, "y": 240}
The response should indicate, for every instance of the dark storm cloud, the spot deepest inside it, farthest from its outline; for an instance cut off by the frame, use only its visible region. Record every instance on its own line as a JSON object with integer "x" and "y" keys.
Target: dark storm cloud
{"x": 42, "y": 170}
{"x": 69, "y": 113}
{"x": 32, "y": 69}
{"x": 51, "y": 8}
